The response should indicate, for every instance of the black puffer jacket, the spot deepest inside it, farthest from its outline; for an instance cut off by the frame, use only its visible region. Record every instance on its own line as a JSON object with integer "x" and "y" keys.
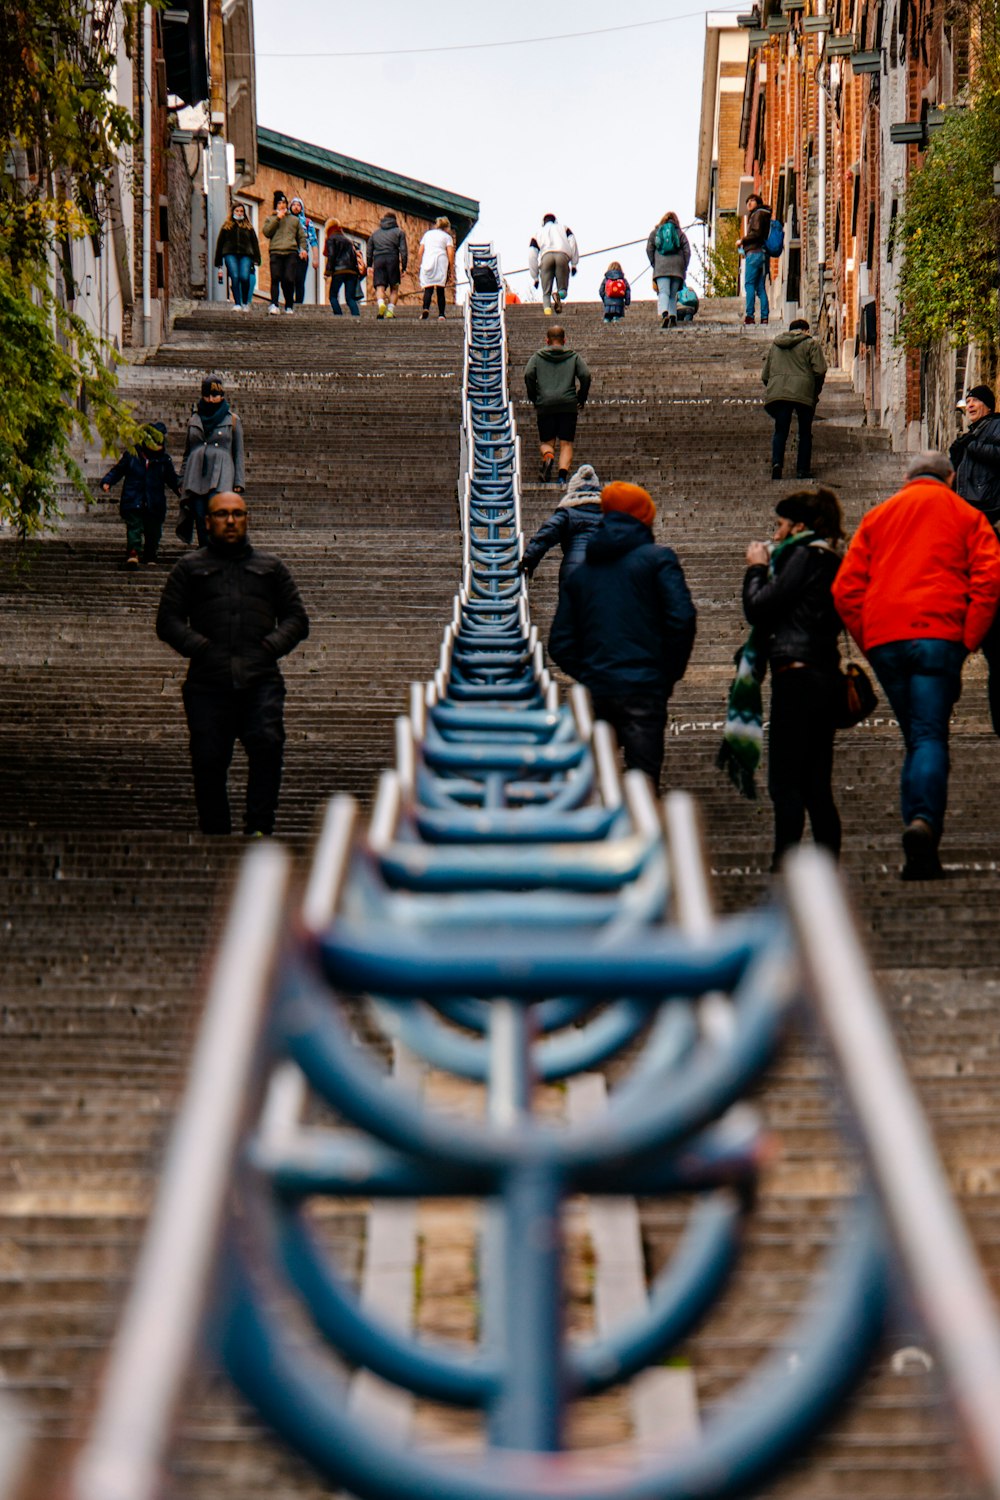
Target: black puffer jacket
{"x": 626, "y": 620}
{"x": 234, "y": 612}
{"x": 146, "y": 473}
{"x": 570, "y": 527}
{"x": 795, "y": 607}
{"x": 976, "y": 459}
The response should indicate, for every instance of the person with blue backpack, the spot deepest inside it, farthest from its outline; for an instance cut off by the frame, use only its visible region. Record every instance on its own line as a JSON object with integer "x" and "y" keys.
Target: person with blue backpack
{"x": 764, "y": 238}
{"x": 668, "y": 252}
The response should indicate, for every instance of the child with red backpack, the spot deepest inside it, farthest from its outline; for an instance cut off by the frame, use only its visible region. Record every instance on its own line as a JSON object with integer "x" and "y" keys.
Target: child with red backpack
{"x": 615, "y": 293}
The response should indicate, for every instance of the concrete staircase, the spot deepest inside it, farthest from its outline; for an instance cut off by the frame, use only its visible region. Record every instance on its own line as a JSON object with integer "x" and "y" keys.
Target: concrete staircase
{"x": 352, "y": 435}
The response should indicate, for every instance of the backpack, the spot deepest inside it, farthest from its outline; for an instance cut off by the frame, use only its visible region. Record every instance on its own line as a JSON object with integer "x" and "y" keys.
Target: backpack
{"x": 775, "y": 242}
{"x": 668, "y": 240}
{"x": 484, "y": 278}
{"x": 615, "y": 288}
{"x": 687, "y": 297}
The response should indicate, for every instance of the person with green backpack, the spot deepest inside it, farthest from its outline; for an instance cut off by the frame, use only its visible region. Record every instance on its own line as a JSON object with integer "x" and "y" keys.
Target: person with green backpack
{"x": 668, "y": 252}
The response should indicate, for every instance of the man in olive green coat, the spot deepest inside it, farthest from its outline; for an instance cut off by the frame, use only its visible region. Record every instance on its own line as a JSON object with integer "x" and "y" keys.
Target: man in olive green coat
{"x": 289, "y": 245}
{"x": 793, "y": 375}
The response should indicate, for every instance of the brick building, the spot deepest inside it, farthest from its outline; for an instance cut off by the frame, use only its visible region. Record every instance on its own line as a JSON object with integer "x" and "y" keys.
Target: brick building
{"x": 837, "y": 107}
{"x": 352, "y": 193}
{"x": 720, "y": 157}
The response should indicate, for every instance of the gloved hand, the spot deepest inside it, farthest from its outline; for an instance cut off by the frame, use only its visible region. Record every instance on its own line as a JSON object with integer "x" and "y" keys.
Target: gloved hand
{"x": 580, "y": 405}
{"x": 525, "y": 567}
{"x": 572, "y": 270}
{"x": 535, "y": 285}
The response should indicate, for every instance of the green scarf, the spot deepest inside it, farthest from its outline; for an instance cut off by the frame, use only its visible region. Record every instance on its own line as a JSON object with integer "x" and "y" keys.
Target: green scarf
{"x": 743, "y": 737}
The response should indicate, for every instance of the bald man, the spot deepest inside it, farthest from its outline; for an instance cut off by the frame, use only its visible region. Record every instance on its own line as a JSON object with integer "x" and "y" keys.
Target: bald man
{"x": 234, "y": 613}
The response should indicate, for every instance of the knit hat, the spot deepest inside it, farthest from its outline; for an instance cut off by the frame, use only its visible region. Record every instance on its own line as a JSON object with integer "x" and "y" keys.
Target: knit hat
{"x": 296, "y": 199}
{"x": 212, "y": 385}
{"x": 630, "y": 498}
{"x": 583, "y": 488}
{"x": 154, "y": 434}
{"x": 984, "y": 394}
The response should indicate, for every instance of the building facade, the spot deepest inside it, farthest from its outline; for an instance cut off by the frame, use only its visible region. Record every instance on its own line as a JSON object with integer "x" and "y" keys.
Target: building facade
{"x": 839, "y": 103}
{"x": 720, "y": 156}
{"x": 355, "y": 195}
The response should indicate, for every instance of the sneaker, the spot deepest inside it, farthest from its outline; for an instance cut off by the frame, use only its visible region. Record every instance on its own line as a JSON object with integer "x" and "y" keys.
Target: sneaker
{"x": 440, "y": 317}
{"x": 546, "y": 470}
{"x": 547, "y": 311}
{"x": 562, "y": 477}
{"x": 424, "y": 316}
{"x": 557, "y": 301}
{"x": 763, "y": 322}
{"x": 289, "y": 311}
{"x": 775, "y": 471}
{"x": 274, "y": 310}
{"x": 748, "y": 321}
{"x": 381, "y": 310}
{"x": 920, "y": 847}
{"x": 390, "y": 311}
{"x": 609, "y": 320}
{"x": 665, "y": 320}
{"x": 673, "y": 320}
{"x": 132, "y": 561}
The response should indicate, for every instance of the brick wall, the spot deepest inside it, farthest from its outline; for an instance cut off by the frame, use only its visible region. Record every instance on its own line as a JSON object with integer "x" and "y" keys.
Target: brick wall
{"x": 357, "y": 215}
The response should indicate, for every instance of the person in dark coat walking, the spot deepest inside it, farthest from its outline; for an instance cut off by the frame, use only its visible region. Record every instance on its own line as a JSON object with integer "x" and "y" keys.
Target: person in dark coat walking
{"x": 213, "y": 457}
{"x": 793, "y": 375}
{"x": 341, "y": 256}
{"x": 238, "y": 249}
{"x": 787, "y": 600}
{"x": 668, "y": 251}
{"x": 234, "y": 612}
{"x": 627, "y": 625}
{"x": 388, "y": 254}
{"x": 615, "y": 293}
{"x": 570, "y": 526}
{"x": 146, "y": 473}
{"x": 756, "y": 264}
{"x": 975, "y": 457}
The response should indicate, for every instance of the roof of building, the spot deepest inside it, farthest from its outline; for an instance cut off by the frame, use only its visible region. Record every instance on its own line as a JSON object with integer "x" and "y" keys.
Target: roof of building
{"x": 361, "y": 179}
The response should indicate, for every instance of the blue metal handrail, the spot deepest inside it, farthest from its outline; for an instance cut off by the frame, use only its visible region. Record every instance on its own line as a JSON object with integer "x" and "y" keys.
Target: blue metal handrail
{"x": 514, "y": 913}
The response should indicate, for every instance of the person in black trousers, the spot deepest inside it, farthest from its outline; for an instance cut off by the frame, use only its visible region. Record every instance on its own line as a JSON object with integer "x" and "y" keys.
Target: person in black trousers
{"x": 234, "y": 612}
{"x": 787, "y": 600}
{"x": 625, "y": 625}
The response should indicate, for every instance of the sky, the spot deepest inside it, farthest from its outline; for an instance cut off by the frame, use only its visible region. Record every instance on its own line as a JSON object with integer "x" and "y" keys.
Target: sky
{"x": 602, "y": 130}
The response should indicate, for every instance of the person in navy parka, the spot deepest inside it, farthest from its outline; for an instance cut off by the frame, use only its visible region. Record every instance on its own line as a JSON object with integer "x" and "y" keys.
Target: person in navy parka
{"x": 615, "y": 293}
{"x": 569, "y": 526}
{"x": 143, "y": 506}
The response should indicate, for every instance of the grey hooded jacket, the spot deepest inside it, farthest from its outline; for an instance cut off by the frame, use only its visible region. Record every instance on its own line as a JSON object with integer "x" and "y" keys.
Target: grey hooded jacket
{"x": 388, "y": 239}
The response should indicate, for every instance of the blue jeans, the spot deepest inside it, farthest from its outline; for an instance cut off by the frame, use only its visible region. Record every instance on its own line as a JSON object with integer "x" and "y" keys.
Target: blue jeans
{"x": 755, "y": 280}
{"x": 240, "y": 268}
{"x": 922, "y": 680}
{"x": 350, "y": 285}
{"x": 667, "y": 288}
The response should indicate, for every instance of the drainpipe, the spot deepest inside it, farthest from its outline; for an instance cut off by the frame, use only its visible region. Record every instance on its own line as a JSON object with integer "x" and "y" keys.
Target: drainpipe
{"x": 147, "y": 170}
{"x": 821, "y": 216}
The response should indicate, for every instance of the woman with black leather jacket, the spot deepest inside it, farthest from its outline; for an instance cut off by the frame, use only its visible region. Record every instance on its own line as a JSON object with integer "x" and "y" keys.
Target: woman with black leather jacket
{"x": 787, "y": 600}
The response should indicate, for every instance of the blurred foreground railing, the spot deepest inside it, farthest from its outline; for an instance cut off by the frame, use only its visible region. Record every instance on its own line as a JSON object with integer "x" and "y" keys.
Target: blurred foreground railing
{"x": 514, "y": 913}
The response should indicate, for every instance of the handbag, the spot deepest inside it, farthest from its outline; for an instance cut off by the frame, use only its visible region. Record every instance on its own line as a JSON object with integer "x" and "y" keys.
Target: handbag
{"x": 856, "y": 697}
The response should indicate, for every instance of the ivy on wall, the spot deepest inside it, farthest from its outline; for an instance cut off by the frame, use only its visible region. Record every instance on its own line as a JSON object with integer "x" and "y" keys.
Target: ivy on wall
{"x": 949, "y": 232}
{"x": 61, "y": 132}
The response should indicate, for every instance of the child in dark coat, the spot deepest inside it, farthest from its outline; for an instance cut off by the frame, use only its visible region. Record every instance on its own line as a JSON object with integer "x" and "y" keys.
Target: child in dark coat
{"x": 615, "y": 293}
{"x": 143, "y": 507}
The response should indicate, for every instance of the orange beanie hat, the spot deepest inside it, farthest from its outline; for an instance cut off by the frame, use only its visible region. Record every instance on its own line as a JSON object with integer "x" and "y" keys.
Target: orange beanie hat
{"x": 631, "y": 498}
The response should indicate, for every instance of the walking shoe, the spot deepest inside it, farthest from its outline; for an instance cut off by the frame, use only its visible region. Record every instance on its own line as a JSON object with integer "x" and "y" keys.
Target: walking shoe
{"x": 390, "y": 311}
{"x": 381, "y": 310}
{"x": 748, "y": 321}
{"x": 132, "y": 561}
{"x": 547, "y": 311}
{"x": 920, "y": 847}
{"x": 424, "y": 316}
{"x": 440, "y": 317}
{"x": 673, "y": 320}
{"x": 563, "y": 476}
{"x": 289, "y": 311}
{"x": 545, "y": 473}
{"x": 763, "y": 322}
{"x": 665, "y": 320}
{"x": 274, "y": 309}
{"x": 607, "y": 320}
{"x": 775, "y": 471}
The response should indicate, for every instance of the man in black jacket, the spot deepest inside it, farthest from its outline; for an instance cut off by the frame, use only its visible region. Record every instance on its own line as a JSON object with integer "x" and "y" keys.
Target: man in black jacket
{"x": 975, "y": 457}
{"x": 234, "y": 612}
{"x": 625, "y": 625}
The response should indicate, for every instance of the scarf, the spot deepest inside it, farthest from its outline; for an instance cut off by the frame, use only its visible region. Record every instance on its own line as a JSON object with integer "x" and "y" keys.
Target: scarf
{"x": 211, "y": 415}
{"x": 743, "y": 737}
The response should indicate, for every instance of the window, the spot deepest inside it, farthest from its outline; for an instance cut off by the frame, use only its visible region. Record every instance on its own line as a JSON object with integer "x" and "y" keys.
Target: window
{"x": 856, "y": 204}
{"x": 870, "y": 256}
{"x": 890, "y": 244}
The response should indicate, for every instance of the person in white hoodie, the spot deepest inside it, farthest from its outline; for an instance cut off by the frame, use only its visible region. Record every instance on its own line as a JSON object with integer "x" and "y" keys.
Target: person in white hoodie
{"x": 553, "y": 258}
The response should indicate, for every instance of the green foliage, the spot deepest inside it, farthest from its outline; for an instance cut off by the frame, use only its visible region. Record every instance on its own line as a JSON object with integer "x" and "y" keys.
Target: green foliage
{"x": 721, "y": 265}
{"x": 948, "y": 233}
{"x": 62, "y": 131}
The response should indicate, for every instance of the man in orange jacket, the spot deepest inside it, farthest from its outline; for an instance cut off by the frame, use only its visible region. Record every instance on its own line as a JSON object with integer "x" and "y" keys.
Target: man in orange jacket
{"x": 918, "y": 590}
